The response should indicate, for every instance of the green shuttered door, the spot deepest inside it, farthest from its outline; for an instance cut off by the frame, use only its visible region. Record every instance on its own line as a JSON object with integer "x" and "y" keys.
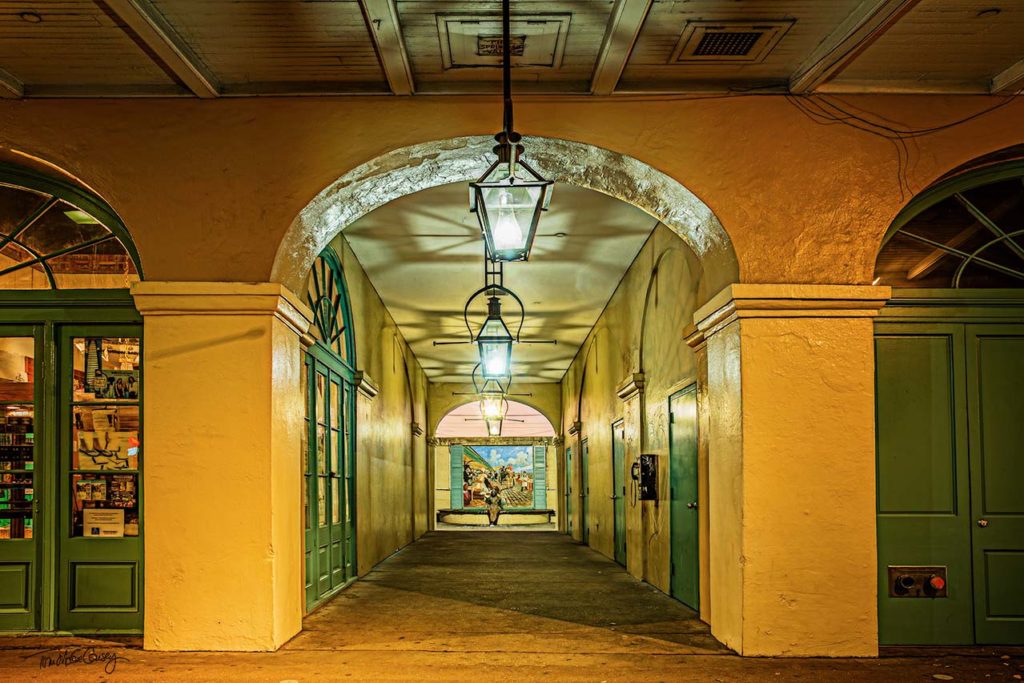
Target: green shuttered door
{"x": 540, "y": 478}
{"x": 456, "y": 477}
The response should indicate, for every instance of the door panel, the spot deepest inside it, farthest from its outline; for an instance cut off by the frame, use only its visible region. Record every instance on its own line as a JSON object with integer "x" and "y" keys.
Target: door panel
{"x": 585, "y": 491}
{"x": 923, "y": 480}
{"x": 21, "y": 479}
{"x": 619, "y": 489}
{"x": 685, "y": 570}
{"x": 100, "y": 495}
{"x": 329, "y": 509}
{"x": 568, "y": 491}
{"x": 995, "y": 357}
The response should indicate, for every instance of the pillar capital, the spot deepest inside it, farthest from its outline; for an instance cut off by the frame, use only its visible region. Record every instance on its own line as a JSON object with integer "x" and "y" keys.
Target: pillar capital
{"x": 743, "y": 300}
{"x": 157, "y": 298}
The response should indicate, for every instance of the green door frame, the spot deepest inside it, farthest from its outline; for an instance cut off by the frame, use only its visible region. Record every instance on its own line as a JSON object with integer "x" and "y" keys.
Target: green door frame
{"x": 46, "y": 314}
{"x": 684, "y": 576}
{"x": 618, "y": 460}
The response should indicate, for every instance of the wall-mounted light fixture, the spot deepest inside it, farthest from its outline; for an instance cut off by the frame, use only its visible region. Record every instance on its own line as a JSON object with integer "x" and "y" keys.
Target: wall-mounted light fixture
{"x": 510, "y": 196}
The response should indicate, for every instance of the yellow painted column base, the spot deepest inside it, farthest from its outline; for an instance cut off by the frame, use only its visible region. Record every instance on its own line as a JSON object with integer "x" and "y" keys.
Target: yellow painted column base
{"x": 791, "y": 448}
{"x": 223, "y": 420}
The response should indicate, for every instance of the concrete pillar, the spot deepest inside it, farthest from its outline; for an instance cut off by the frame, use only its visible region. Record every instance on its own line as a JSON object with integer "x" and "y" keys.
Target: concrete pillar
{"x": 791, "y": 443}
{"x": 223, "y": 420}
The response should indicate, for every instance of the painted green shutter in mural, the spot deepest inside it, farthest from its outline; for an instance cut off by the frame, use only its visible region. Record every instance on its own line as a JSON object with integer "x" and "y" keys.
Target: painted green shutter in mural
{"x": 540, "y": 479}
{"x": 456, "y": 479}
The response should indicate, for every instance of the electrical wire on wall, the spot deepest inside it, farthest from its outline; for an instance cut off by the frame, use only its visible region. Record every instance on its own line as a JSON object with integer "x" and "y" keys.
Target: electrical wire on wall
{"x": 831, "y": 110}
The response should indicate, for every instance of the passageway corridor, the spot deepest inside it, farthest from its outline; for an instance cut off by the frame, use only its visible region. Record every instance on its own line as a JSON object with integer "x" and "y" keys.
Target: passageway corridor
{"x": 497, "y": 606}
{"x": 505, "y": 592}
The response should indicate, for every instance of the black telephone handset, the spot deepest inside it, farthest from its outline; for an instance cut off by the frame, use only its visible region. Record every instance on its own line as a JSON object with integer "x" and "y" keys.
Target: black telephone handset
{"x": 634, "y": 471}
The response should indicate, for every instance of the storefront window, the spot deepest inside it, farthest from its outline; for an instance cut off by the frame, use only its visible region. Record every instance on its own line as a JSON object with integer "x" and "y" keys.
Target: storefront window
{"x": 105, "y": 446}
{"x": 17, "y": 436}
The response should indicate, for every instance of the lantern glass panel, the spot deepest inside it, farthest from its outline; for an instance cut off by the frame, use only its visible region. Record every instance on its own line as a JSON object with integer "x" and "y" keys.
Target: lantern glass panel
{"x": 492, "y": 405}
{"x": 493, "y": 427}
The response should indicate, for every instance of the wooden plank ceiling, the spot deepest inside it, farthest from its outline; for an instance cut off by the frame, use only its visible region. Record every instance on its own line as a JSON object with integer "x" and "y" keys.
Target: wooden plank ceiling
{"x": 212, "y": 48}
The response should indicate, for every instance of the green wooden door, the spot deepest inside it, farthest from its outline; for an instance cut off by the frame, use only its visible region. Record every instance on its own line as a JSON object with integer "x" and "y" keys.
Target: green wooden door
{"x": 568, "y": 491}
{"x": 329, "y": 494}
{"x": 995, "y": 358}
{"x": 585, "y": 491}
{"x": 684, "y": 583}
{"x": 619, "y": 489}
{"x": 99, "y": 498}
{"x": 22, "y": 472}
{"x": 923, "y": 493}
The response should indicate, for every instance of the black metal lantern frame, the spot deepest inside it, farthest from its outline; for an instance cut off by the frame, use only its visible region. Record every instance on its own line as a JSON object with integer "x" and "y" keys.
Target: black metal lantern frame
{"x": 494, "y": 341}
{"x": 510, "y": 196}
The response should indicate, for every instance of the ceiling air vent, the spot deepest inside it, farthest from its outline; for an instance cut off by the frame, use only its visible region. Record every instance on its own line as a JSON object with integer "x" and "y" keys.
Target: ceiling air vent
{"x": 727, "y": 42}
{"x": 538, "y": 40}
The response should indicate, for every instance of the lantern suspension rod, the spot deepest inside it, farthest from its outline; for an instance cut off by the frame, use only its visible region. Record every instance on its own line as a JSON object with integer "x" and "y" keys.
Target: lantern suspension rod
{"x": 506, "y": 48}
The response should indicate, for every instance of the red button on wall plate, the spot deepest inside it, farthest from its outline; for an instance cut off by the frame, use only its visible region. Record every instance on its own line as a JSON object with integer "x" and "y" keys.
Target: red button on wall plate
{"x": 937, "y": 582}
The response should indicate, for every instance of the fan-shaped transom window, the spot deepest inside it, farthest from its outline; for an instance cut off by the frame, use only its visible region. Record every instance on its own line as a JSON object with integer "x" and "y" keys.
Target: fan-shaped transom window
{"x": 962, "y": 233}
{"x": 327, "y": 296}
{"x": 50, "y": 241}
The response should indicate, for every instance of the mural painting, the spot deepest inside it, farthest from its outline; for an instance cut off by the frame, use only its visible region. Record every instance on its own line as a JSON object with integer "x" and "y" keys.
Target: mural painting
{"x": 506, "y": 468}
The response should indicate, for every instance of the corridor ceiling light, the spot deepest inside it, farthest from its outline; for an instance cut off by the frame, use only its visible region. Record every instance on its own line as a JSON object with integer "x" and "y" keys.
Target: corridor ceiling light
{"x": 495, "y": 344}
{"x": 509, "y": 197}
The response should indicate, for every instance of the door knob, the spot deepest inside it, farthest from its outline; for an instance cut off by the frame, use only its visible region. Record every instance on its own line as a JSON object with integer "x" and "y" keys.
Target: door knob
{"x": 983, "y": 523}
{"x": 691, "y": 506}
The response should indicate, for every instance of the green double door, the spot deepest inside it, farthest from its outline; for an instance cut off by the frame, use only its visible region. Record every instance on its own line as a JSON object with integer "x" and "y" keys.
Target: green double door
{"x": 950, "y": 437}
{"x": 684, "y": 580}
{"x": 619, "y": 489}
{"x": 71, "y": 533}
{"x": 329, "y": 476}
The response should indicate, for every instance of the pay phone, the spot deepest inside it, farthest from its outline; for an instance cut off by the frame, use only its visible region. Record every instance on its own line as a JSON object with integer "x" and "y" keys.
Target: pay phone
{"x": 645, "y": 476}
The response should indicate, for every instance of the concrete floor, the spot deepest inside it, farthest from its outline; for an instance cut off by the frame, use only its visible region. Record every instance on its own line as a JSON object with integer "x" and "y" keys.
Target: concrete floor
{"x": 510, "y": 606}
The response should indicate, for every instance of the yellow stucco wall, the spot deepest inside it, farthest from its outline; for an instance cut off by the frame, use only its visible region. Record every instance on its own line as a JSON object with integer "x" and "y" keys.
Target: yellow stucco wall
{"x": 209, "y": 188}
{"x": 611, "y": 353}
{"x": 391, "y": 462}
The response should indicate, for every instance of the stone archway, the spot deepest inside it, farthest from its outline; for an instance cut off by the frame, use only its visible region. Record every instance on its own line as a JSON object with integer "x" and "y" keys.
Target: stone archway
{"x": 418, "y": 167}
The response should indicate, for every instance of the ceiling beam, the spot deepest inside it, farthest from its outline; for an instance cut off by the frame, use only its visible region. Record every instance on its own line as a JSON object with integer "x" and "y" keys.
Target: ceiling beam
{"x": 159, "y": 38}
{"x": 1009, "y": 81}
{"x": 10, "y": 87}
{"x": 386, "y": 32}
{"x": 623, "y": 28}
{"x": 858, "y": 32}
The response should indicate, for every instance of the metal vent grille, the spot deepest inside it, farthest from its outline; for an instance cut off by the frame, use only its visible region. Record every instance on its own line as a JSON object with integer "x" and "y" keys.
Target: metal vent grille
{"x": 727, "y": 44}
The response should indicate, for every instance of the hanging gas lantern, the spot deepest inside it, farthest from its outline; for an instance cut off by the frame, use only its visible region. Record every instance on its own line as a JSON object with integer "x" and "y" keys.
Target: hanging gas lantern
{"x": 509, "y": 197}
{"x": 493, "y": 404}
{"x": 494, "y": 343}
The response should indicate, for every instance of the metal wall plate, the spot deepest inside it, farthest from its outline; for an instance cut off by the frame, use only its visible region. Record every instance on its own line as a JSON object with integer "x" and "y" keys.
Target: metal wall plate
{"x": 906, "y": 581}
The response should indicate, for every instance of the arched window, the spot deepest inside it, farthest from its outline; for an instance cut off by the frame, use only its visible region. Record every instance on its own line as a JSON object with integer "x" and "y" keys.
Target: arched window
{"x": 966, "y": 231}
{"x": 56, "y": 236}
{"x": 327, "y": 296}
